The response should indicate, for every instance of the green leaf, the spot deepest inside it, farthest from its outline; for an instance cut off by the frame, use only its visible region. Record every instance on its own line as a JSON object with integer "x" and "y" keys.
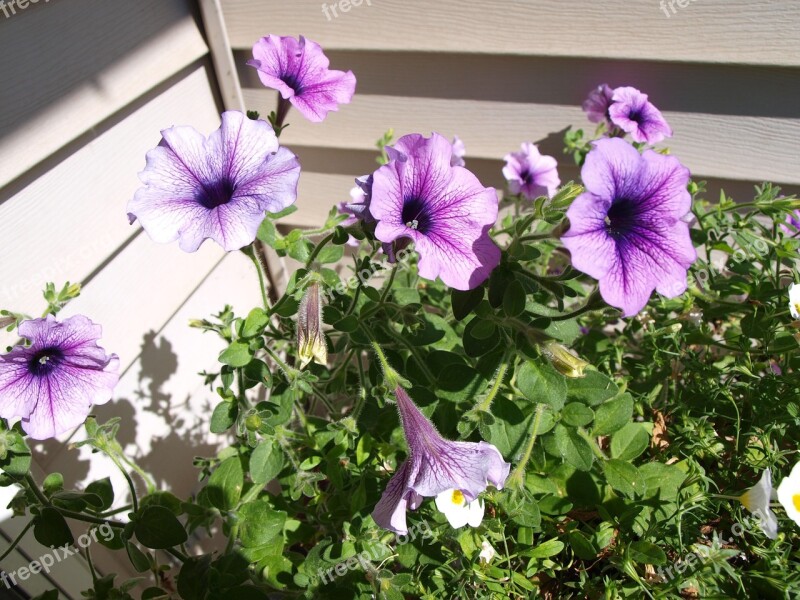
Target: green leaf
{"x": 236, "y": 355}
{"x": 575, "y": 450}
{"x": 581, "y": 545}
{"x": 53, "y": 483}
{"x": 541, "y": 383}
{"x": 514, "y": 299}
{"x": 629, "y": 442}
{"x": 260, "y": 524}
{"x": 624, "y": 478}
{"x": 546, "y": 550}
{"x": 300, "y": 250}
{"x": 225, "y": 484}
{"x": 158, "y": 528}
{"x": 592, "y": 389}
{"x": 464, "y": 302}
{"x": 224, "y": 416}
{"x": 267, "y": 232}
{"x": 613, "y": 415}
{"x": 50, "y": 528}
{"x": 193, "y": 578}
{"x": 348, "y": 325}
{"x": 330, "y": 254}
{"x": 138, "y": 558}
{"x": 577, "y": 414}
{"x": 647, "y": 553}
{"x": 103, "y": 489}
{"x": 255, "y": 323}
{"x": 266, "y": 462}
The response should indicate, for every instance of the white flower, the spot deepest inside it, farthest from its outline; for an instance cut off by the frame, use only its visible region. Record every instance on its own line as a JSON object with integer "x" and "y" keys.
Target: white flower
{"x": 757, "y": 500}
{"x": 458, "y": 511}
{"x": 487, "y": 552}
{"x": 789, "y": 494}
{"x": 794, "y": 300}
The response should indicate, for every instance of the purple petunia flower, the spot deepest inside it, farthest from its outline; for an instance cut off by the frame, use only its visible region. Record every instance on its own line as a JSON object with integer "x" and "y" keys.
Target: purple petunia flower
{"x": 299, "y": 71}
{"x": 626, "y": 229}
{"x": 459, "y": 152}
{"x": 597, "y": 104}
{"x": 791, "y": 226}
{"x": 632, "y": 112}
{"x": 444, "y": 210}
{"x": 218, "y": 188}
{"x": 52, "y": 384}
{"x": 531, "y": 174}
{"x": 434, "y": 466}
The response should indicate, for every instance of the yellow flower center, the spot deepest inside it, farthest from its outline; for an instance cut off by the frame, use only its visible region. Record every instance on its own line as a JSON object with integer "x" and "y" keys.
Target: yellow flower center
{"x": 797, "y": 306}
{"x": 458, "y": 498}
{"x": 796, "y": 502}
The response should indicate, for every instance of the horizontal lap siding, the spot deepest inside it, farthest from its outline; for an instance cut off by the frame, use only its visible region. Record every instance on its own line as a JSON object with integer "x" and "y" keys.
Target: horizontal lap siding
{"x": 725, "y": 73}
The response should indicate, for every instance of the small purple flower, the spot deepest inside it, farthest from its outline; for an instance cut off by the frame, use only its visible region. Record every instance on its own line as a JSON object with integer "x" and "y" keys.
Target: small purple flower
{"x": 219, "y": 188}
{"x": 792, "y": 225}
{"x": 434, "y": 466}
{"x": 597, "y": 104}
{"x": 632, "y": 112}
{"x": 299, "y": 71}
{"x": 459, "y": 152}
{"x": 531, "y": 174}
{"x": 444, "y": 210}
{"x": 358, "y": 207}
{"x": 626, "y": 229}
{"x": 52, "y": 384}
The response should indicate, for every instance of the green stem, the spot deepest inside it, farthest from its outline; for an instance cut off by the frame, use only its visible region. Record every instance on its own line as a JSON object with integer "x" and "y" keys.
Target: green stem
{"x": 362, "y": 392}
{"x": 318, "y": 249}
{"x": 124, "y": 471}
{"x": 17, "y": 540}
{"x": 91, "y": 566}
{"x": 498, "y": 382}
{"x": 177, "y": 554}
{"x": 90, "y": 519}
{"x": 519, "y": 472}
{"x": 34, "y": 487}
{"x": 251, "y": 252}
{"x": 388, "y": 288}
{"x": 413, "y": 351}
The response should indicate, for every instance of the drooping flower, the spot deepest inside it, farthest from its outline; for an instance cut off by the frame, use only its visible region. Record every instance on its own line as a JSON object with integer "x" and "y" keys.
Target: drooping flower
{"x": 757, "y": 500}
{"x": 218, "y": 188}
{"x": 632, "y": 112}
{"x": 444, "y": 210}
{"x": 789, "y": 494}
{"x": 626, "y": 229}
{"x": 597, "y": 104}
{"x": 794, "y": 300}
{"x": 358, "y": 207}
{"x": 487, "y": 552}
{"x": 564, "y": 360}
{"x": 530, "y": 173}
{"x": 52, "y": 383}
{"x": 298, "y": 69}
{"x": 310, "y": 338}
{"x": 436, "y": 466}
{"x": 459, "y": 152}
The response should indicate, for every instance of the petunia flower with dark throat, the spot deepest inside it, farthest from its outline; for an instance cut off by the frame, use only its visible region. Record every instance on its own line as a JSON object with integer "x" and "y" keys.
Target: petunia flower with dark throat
{"x": 627, "y": 229}
{"x": 218, "y": 188}
{"x": 632, "y": 112}
{"x": 530, "y": 173}
{"x": 298, "y": 69}
{"x": 418, "y": 196}
{"x": 598, "y": 102}
{"x": 455, "y": 473}
{"x": 52, "y": 383}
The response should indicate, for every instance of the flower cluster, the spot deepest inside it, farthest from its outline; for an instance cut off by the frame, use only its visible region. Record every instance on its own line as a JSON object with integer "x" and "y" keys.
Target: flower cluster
{"x": 628, "y": 109}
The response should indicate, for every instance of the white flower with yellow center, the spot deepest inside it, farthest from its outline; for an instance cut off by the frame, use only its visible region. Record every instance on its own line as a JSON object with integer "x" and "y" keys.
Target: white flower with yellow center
{"x": 458, "y": 511}
{"x": 757, "y": 500}
{"x": 794, "y": 300}
{"x": 487, "y": 552}
{"x": 789, "y": 494}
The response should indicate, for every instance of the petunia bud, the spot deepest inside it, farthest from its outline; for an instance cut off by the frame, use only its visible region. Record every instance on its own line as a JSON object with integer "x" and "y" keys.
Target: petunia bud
{"x": 563, "y": 360}
{"x": 310, "y": 339}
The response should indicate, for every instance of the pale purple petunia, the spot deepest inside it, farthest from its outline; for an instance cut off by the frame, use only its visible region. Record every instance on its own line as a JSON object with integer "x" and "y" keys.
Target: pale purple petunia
{"x": 298, "y": 69}
{"x": 418, "y": 196}
{"x": 598, "y": 102}
{"x": 791, "y": 226}
{"x": 217, "y": 188}
{"x": 52, "y": 383}
{"x": 435, "y": 465}
{"x": 459, "y": 152}
{"x": 530, "y": 173}
{"x": 626, "y": 229}
{"x": 632, "y": 112}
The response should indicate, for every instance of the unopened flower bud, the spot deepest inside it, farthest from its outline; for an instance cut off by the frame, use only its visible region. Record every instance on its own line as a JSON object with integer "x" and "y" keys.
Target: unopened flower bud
{"x": 252, "y": 422}
{"x": 310, "y": 339}
{"x": 563, "y": 360}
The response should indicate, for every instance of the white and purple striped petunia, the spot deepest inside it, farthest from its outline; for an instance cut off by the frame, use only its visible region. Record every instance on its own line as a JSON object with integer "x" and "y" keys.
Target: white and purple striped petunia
{"x": 435, "y": 466}
{"x": 298, "y": 69}
{"x": 419, "y": 196}
{"x": 218, "y": 188}
{"x": 52, "y": 384}
{"x": 626, "y": 229}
